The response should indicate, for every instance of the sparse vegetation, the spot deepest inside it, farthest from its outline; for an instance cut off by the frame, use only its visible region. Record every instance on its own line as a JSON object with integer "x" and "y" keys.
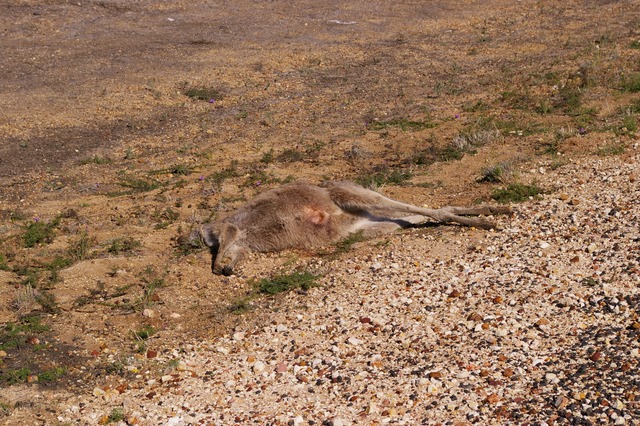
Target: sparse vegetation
{"x": 498, "y": 173}
{"x": 345, "y": 244}
{"x": 631, "y": 83}
{"x": 80, "y": 247}
{"x": 203, "y": 93}
{"x": 4, "y": 265}
{"x": 402, "y": 123}
{"x": 613, "y": 148}
{"x": 136, "y": 185}
{"x": 116, "y": 415}
{"x": 40, "y": 232}
{"x": 283, "y": 283}
{"x": 96, "y": 160}
{"x": 123, "y": 245}
{"x": 13, "y": 335}
{"x": 383, "y": 176}
{"x": 516, "y": 193}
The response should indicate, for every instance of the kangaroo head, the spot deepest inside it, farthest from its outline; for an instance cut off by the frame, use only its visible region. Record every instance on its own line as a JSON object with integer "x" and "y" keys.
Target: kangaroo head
{"x": 226, "y": 250}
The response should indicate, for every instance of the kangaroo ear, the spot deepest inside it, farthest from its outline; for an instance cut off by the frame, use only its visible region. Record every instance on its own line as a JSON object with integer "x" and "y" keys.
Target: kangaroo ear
{"x": 210, "y": 236}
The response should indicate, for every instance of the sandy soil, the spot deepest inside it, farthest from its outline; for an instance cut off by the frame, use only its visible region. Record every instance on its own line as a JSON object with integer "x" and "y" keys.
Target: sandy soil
{"x": 103, "y": 139}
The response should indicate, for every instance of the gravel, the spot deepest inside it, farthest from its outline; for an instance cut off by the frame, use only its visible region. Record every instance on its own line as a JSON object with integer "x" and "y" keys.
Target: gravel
{"x": 536, "y": 324}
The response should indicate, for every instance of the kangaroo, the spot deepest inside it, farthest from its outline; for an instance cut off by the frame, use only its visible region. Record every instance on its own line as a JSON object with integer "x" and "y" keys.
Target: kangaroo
{"x": 303, "y": 216}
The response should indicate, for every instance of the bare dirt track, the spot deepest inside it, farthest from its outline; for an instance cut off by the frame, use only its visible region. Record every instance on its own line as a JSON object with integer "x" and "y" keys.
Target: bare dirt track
{"x": 125, "y": 124}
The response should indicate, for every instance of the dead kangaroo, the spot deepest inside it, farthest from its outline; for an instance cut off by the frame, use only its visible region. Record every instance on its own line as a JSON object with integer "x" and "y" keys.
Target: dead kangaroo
{"x": 303, "y": 216}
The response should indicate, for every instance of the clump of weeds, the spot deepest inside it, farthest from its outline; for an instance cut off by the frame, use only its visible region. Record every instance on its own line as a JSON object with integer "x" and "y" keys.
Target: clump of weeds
{"x": 516, "y": 193}
{"x": 40, "y": 232}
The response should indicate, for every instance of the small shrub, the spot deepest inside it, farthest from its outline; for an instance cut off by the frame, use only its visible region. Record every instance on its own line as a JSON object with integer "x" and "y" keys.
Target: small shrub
{"x": 136, "y": 185}
{"x": 613, "y": 148}
{"x": 145, "y": 332}
{"x": 630, "y": 123}
{"x": 4, "y": 266}
{"x": 116, "y": 415}
{"x": 631, "y": 83}
{"x": 40, "y": 232}
{"x": 498, "y": 173}
{"x": 383, "y": 177}
{"x": 52, "y": 375}
{"x": 516, "y": 193}
{"x": 124, "y": 245}
{"x": 282, "y": 283}
{"x": 203, "y": 94}
{"x": 80, "y": 247}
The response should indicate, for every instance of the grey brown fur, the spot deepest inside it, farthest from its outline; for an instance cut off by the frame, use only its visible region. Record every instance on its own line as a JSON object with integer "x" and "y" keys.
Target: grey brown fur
{"x": 303, "y": 216}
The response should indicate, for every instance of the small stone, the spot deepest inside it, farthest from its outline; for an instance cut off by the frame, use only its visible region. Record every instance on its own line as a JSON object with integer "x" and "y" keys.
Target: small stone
{"x": 635, "y": 326}
{"x": 575, "y": 259}
{"x": 258, "y": 367}
{"x": 338, "y": 422}
{"x": 595, "y": 356}
{"x": 2, "y": 354}
{"x": 544, "y": 245}
{"x": 561, "y": 402}
{"x": 281, "y": 328}
{"x": 149, "y": 313}
{"x": 592, "y": 247}
{"x": 542, "y": 321}
{"x": 354, "y": 341}
{"x": 166, "y": 378}
{"x": 493, "y": 398}
{"x": 222, "y": 350}
{"x": 238, "y": 336}
{"x": 98, "y": 392}
{"x": 574, "y": 202}
{"x": 175, "y": 315}
{"x": 365, "y": 320}
{"x": 564, "y": 196}
{"x": 454, "y": 294}
{"x": 281, "y": 367}
{"x": 298, "y": 420}
{"x": 32, "y": 378}
{"x": 151, "y": 353}
{"x": 435, "y": 375}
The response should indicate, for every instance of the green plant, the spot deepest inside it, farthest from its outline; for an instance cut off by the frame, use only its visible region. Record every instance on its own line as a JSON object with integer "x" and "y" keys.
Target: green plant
{"x": 12, "y": 377}
{"x": 383, "y": 176}
{"x": 498, "y": 173}
{"x": 267, "y": 157}
{"x": 5, "y": 409}
{"x": 631, "y": 83}
{"x": 40, "y": 232}
{"x": 630, "y": 123}
{"x": 516, "y": 193}
{"x": 52, "y": 375}
{"x": 4, "y": 266}
{"x": 144, "y": 332}
{"x": 613, "y": 148}
{"x": 345, "y": 244}
{"x": 96, "y": 160}
{"x": 80, "y": 247}
{"x": 218, "y": 178}
{"x": 282, "y": 283}
{"x": 136, "y": 185}
{"x": 13, "y": 335}
{"x": 48, "y": 302}
{"x": 116, "y": 415}
{"x": 124, "y": 245}
{"x": 203, "y": 94}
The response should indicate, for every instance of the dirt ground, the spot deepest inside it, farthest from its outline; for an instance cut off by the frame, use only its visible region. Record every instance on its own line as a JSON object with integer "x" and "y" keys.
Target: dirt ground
{"x": 125, "y": 124}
